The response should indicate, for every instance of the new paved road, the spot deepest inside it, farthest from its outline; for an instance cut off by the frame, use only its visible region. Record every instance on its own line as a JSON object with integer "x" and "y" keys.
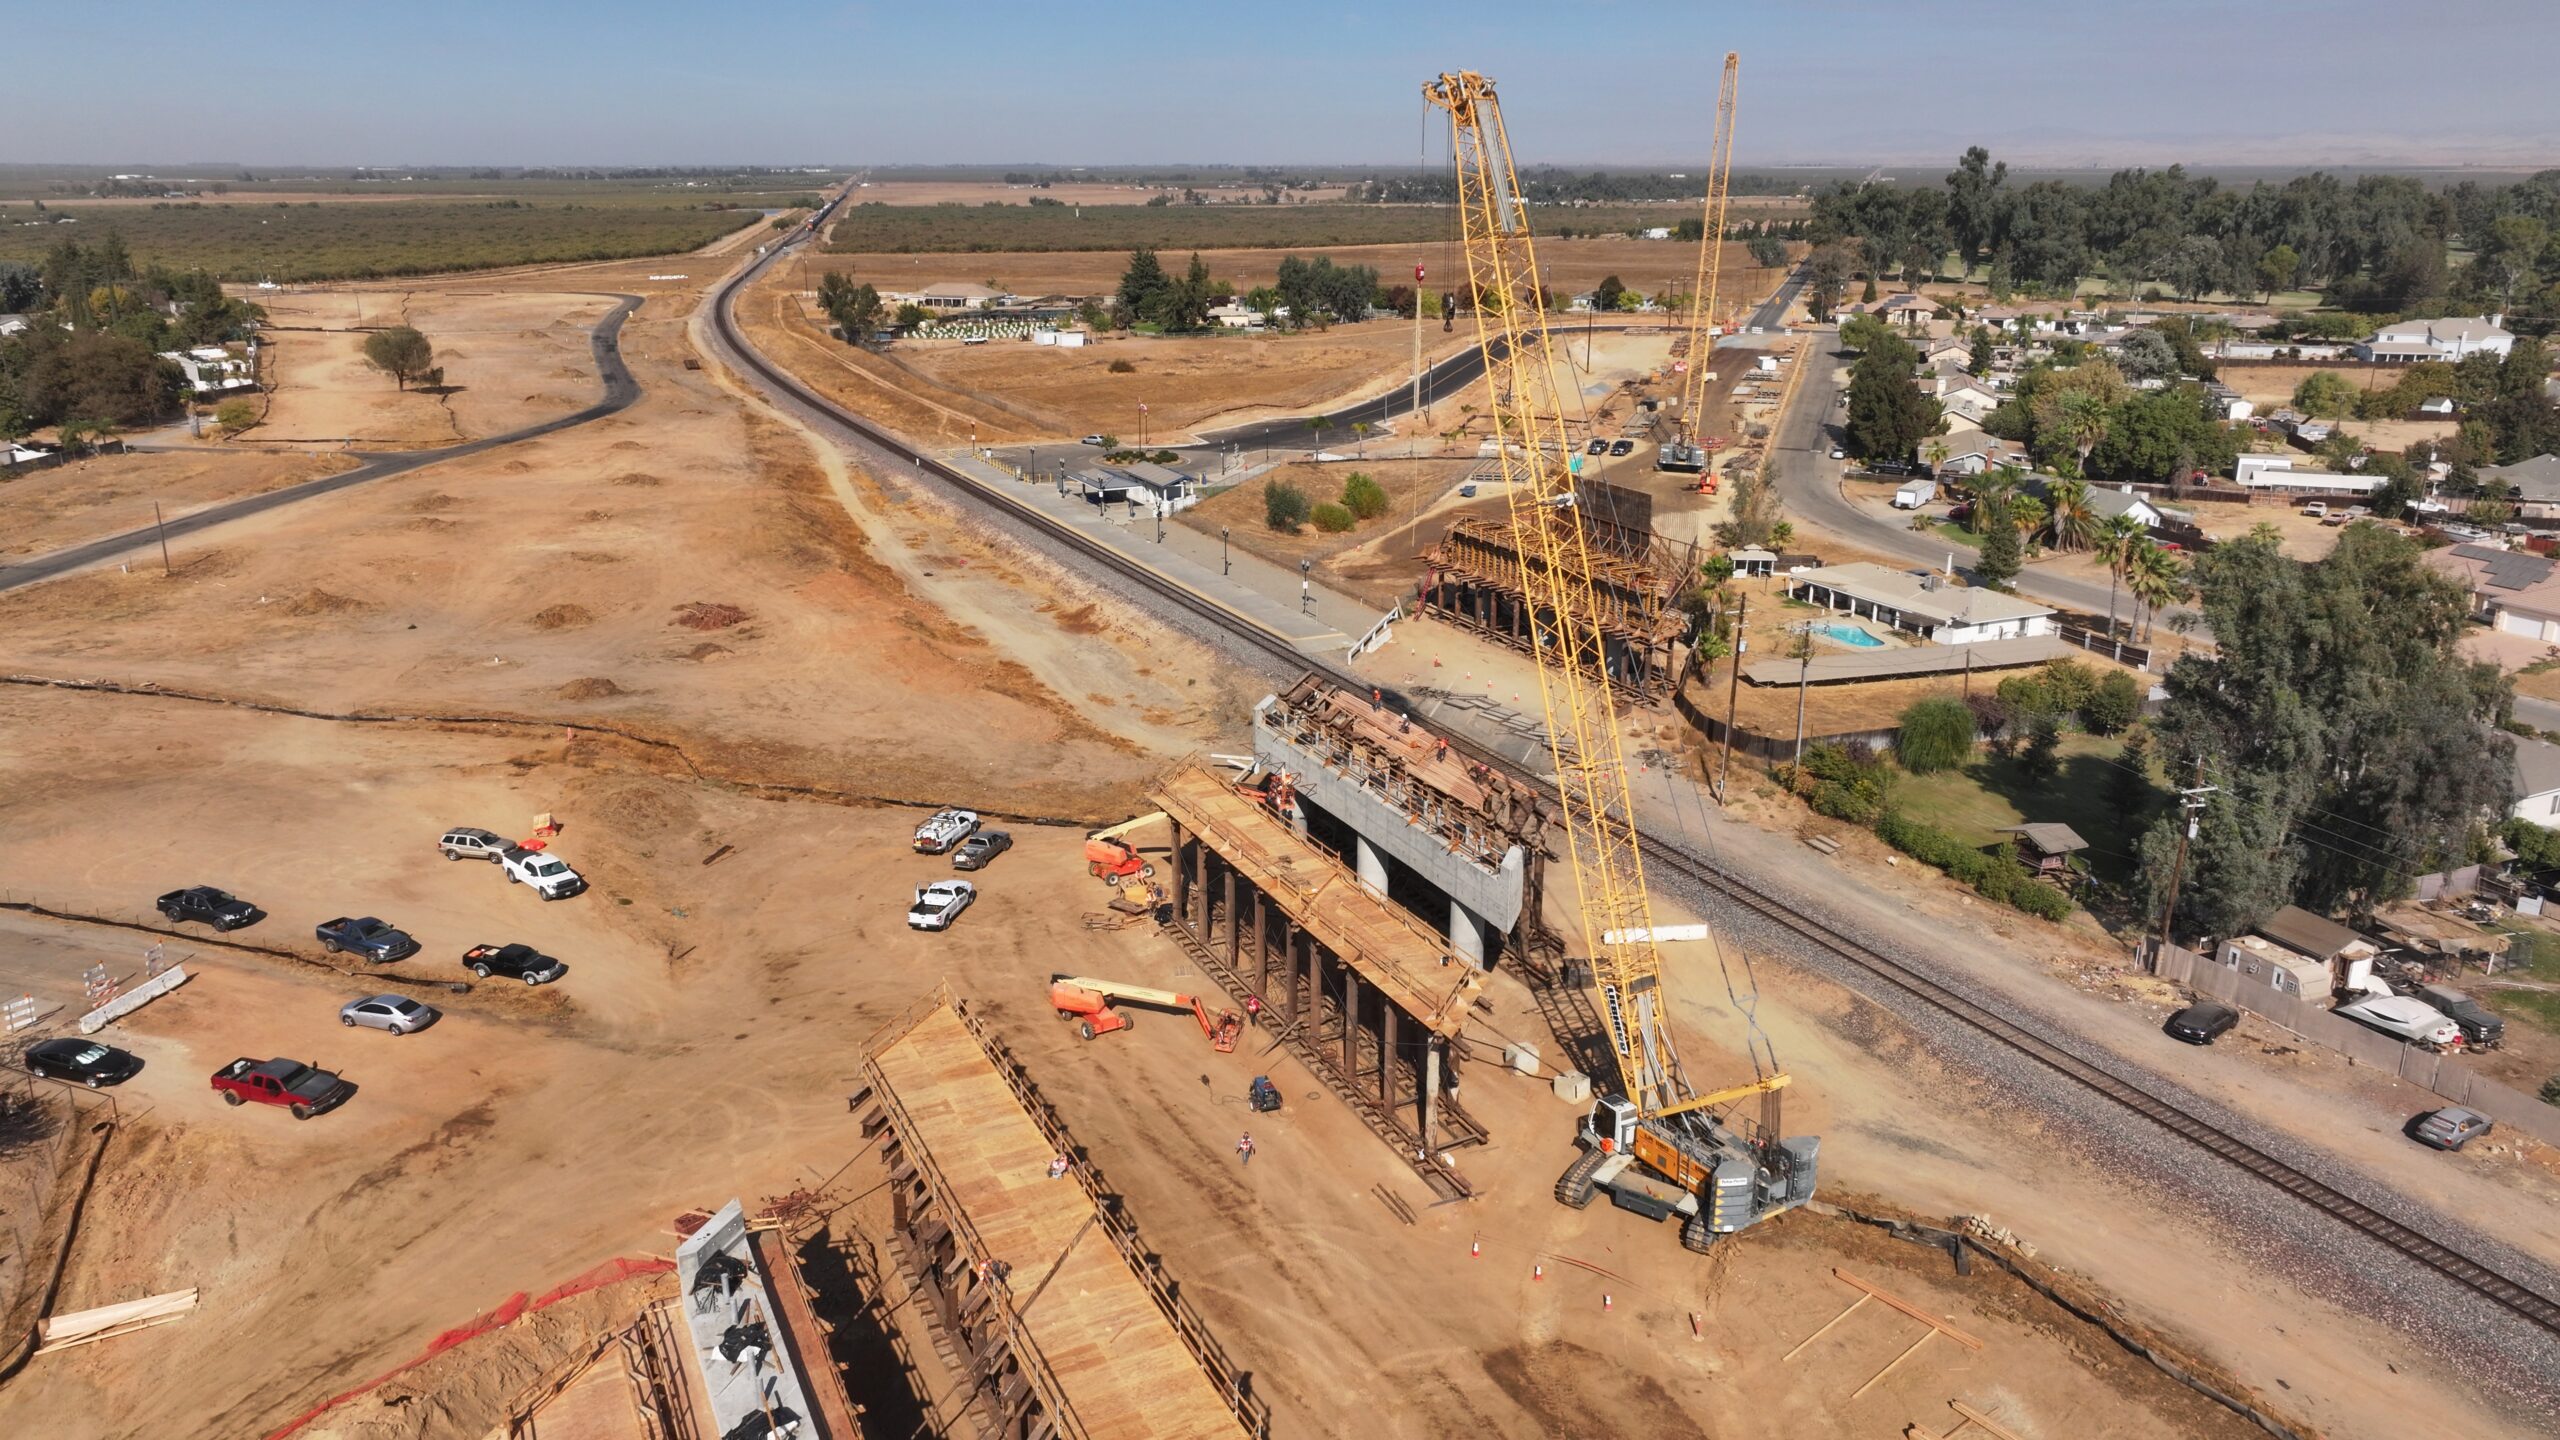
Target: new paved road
{"x": 619, "y": 391}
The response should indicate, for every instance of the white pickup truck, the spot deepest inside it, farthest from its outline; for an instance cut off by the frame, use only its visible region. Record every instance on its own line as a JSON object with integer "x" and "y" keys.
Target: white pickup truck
{"x": 945, "y": 829}
{"x": 548, "y": 874}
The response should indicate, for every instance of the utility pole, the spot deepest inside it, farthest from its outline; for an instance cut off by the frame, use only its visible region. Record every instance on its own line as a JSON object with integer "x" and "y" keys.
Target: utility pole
{"x": 163, "y": 527}
{"x": 2189, "y": 802}
{"x": 1804, "y": 679}
{"x": 1733, "y": 695}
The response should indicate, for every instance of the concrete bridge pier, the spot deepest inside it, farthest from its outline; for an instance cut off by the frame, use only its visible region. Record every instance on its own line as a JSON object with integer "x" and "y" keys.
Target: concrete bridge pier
{"x": 1466, "y": 933}
{"x": 1368, "y": 862}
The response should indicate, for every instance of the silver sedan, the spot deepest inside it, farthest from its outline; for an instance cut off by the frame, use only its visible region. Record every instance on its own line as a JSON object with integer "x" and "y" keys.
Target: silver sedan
{"x": 396, "y": 1013}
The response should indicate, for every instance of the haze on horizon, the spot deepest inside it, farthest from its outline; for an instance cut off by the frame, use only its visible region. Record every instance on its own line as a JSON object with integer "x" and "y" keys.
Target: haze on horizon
{"x": 1620, "y": 82}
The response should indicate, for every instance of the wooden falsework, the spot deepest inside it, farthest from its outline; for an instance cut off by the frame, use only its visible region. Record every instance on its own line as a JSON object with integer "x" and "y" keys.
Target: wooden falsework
{"x": 1866, "y": 1292}
{"x": 1103, "y": 1345}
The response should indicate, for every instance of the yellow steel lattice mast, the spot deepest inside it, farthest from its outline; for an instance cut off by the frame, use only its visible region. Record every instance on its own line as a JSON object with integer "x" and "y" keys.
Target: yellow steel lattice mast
{"x": 1582, "y": 733}
{"x": 1703, "y": 293}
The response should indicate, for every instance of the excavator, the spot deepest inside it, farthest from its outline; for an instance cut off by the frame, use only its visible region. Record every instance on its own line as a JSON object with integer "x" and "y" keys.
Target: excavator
{"x": 1097, "y": 1001}
{"x": 1655, "y": 1144}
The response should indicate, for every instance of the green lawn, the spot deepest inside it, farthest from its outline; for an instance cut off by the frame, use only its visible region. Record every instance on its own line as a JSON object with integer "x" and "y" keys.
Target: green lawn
{"x": 1975, "y": 802}
{"x": 1950, "y": 530}
{"x": 2539, "y": 955}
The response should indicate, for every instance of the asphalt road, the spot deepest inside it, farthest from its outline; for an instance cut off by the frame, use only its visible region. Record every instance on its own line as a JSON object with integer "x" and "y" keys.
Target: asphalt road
{"x": 1809, "y": 481}
{"x": 1773, "y": 311}
{"x": 619, "y": 391}
{"x": 2540, "y": 714}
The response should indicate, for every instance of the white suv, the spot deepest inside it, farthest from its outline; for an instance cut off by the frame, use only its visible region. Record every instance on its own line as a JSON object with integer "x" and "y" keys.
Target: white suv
{"x": 549, "y": 875}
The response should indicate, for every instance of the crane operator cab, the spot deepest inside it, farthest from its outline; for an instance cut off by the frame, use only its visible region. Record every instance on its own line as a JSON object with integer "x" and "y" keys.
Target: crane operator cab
{"x": 1689, "y": 1164}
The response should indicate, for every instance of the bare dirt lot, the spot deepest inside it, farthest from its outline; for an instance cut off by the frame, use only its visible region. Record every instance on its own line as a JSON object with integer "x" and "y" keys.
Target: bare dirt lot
{"x": 87, "y": 498}
{"x": 728, "y": 661}
{"x": 509, "y": 359}
{"x": 1571, "y": 266}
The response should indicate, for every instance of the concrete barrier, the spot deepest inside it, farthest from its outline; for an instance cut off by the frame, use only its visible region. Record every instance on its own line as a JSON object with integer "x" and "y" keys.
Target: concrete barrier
{"x": 133, "y": 999}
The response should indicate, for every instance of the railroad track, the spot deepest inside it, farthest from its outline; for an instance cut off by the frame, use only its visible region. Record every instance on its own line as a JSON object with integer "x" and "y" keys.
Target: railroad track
{"x": 2407, "y": 1241}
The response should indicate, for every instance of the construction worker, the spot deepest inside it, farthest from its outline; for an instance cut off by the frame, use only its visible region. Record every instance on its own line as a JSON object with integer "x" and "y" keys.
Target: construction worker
{"x": 1440, "y": 748}
{"x": 1244, "y": 1148}
{"x": 1058, "y": 1167}
{"x": 1253, "y": 1011}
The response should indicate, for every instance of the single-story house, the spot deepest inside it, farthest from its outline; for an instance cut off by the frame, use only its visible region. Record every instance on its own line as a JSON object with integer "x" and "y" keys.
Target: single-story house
{"x": 1966, "y": 398}
{"x": 1235, "y": 315}
{"x": 2533, "y": 484}
{"x": 1906, "y": 310}
{"x": 953, "y": 295}
{"x": 1955, "y": 350}
{"x": 1970, "y": 452}
{"x": 2259, "y": 348}
{"x": 2227, "y": 403}
{"x": 1752, "y": 560}
{"x": 213, "y": 370}
{"x": 2453, "y": 338}
{"x": 2109, "y": 503}
{"x": 2339, "y": 950}
{"x": 2439, "y": 408}
{"x": 1922, "y": 604}
{"x": 2274, "y": 966}
{"x": 1141, "y": 484}
{"x": 2490, "y": 575}
{"x": 2537, "y": 783}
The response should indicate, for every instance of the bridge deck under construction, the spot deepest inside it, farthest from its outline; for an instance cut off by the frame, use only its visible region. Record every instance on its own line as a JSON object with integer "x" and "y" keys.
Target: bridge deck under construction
{"x": 1106, "y": 1350}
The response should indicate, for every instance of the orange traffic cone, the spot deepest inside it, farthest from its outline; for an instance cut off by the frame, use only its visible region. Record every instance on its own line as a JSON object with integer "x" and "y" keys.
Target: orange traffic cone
{"x": 1537, "y": 1272}
{"x": 1475, "y": 1248}
{"x": 1607, "y": 1301}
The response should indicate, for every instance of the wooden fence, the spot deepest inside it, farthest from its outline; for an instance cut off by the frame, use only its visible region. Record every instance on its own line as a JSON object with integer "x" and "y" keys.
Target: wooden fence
{"x": 2447, "y": 1075}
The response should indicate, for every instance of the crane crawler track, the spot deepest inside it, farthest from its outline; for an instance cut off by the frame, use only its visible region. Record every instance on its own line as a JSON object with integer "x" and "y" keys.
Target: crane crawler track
{"x": 2401, "y": 1238}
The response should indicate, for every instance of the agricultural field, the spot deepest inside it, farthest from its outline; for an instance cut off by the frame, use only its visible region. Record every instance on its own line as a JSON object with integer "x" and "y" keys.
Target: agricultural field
{"x": 998, "y": 226}
{"x": 358, "y": 241}
{"x": 89, "y": 184}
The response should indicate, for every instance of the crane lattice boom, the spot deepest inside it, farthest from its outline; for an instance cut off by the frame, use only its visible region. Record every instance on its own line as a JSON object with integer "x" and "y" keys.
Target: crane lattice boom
{"x": 1591, "y": 772}
{"x": 1703, "y": 294}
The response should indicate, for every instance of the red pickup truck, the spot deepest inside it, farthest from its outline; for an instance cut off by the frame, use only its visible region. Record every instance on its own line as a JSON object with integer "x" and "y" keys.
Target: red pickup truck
{"x": 303, "y": 1089}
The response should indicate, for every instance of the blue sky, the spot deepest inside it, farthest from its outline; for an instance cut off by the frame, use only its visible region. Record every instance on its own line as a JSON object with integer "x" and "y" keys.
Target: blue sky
{"x": 1160, "y": 81}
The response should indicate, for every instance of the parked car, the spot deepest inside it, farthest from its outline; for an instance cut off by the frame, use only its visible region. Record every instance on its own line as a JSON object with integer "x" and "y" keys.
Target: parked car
{"x": 2316, "y": 508}
{"x": 469, "y": 843}
{"x": 1839, "y": 454}
{"x": 396, "y": 1013}
{"x": 2450, "y": 1128}
{"x": 938, "y": 904}
{"x": 2481, "y": 1027}
{"x": 306, "y": 1090}
{"x": 548, "y": 874}
{"x": 978, "y": 850}
{"x": 1622, "y": 447}
{"x": 2201, "y": 1023}
{"x": 2402, "y": 1018}
{"x": 516, "y": 962}
{"x": 1096, "y": 439}
{"x": 82, "y": 1062}
{"x": 1598, "y": 447}
{"x": 369, "y": 937}
{"x": 218, "y": 908}
{"x": 945, "y": 829}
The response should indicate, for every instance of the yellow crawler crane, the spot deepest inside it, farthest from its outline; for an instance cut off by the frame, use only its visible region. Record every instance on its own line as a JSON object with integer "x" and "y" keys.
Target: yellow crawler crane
{"x": 1658, "y": 1147}
{"x": 1684, "y": 454}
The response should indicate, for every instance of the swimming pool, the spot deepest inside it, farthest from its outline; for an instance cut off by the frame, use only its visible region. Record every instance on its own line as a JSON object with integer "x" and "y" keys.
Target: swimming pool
{"x": 1848, "y": 635}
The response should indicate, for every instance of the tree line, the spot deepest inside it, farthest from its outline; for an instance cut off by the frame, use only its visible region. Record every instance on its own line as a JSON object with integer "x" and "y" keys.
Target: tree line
{"x": 90, "y": 359}
{"x": 2379, "y": 243}
{"x": 1304, "y": 293}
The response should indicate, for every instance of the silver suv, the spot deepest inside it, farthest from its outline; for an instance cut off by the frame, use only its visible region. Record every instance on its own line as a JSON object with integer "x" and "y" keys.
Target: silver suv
{"x": 466, "y": 843}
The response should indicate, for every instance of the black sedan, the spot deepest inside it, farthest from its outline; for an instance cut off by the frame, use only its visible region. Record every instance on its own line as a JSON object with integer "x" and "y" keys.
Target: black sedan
{"x": 82, "y": 1062}
{"x": 979, "y": 849}
{"x": 218, "y": 908}
{"x": 2201, "y": 1023}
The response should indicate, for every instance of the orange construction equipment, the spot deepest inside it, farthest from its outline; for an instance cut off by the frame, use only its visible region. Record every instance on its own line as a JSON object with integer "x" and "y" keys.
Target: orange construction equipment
{"x": 1111, "y": 860}
{"x": 1079, "y": 995}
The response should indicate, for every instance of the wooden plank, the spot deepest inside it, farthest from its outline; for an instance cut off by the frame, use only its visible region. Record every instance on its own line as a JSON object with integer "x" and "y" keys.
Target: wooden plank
{"x": 1102, "y": 1338}
{"x": 1907, "y": 1308}
{"x": 78, "y": 1327}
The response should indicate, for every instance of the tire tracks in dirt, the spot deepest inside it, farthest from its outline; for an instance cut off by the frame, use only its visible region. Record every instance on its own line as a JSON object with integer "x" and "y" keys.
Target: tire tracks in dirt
{"x": 711, "y": 774}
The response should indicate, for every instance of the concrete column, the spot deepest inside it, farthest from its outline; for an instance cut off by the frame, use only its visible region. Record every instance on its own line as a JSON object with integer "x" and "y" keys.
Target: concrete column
{"x": 1234, "y": 921}
{"x": 1180, "y": 879}
{"x": 1466, "y": 935}
{"x": 1430, "y": 1092}
{"x": 1350, "y": 1023}
{"x": 1200, "y": 886}
{"x": 1370, "y": 863}
{"x": 1261, "y": 978}
{"x": 1387, "y": 1055}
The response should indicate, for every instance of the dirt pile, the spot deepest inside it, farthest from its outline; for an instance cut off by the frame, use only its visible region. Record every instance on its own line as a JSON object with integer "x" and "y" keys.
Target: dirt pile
{"x": 562, "y": 617}
{"x": 323, "y": 602}
{"x": 638, "y": 477}
{"x": 433, "y": 504}
{"x": 592, "y": 687}
{"x": 703, "y": 615}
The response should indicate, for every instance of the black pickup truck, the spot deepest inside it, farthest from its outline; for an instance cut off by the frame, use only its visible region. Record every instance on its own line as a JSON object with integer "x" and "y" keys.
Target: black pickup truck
{"x": 373, "y": 939}
{"x": 218, "y": 908}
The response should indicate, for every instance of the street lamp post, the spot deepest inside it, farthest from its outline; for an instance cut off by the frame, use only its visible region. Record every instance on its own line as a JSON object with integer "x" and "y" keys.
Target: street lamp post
{"x": 1306, "y": 595}
{"x": 1223, "y": 567}
{"x": 1159, "y": 521}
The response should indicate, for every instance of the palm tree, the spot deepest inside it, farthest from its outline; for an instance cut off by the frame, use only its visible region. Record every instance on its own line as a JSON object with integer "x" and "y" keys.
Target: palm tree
{"x": 2026, "y": 515}
{"x": 1992, "y": 490}
{"x": 2115, "y": 544}
{"x": 2157, "y": 578}
{"x": 2080, "y": 420}
{"x": 1935, "y": 452}
{"x": 1360, "y": 438}
{"x": 2071, "y": 522}
{"x": 1319, "y": 424}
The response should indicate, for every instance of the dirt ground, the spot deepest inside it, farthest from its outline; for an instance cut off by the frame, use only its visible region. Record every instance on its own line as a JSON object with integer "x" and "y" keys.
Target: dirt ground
{"x": 1571, "y": 266}
{"x": 88, "y": 498}
{"x": 510, "y": 359}
{"x": 1065, "y": 192}
{"x": 1186, "y": 383}
{"x": 798, "y": 649}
